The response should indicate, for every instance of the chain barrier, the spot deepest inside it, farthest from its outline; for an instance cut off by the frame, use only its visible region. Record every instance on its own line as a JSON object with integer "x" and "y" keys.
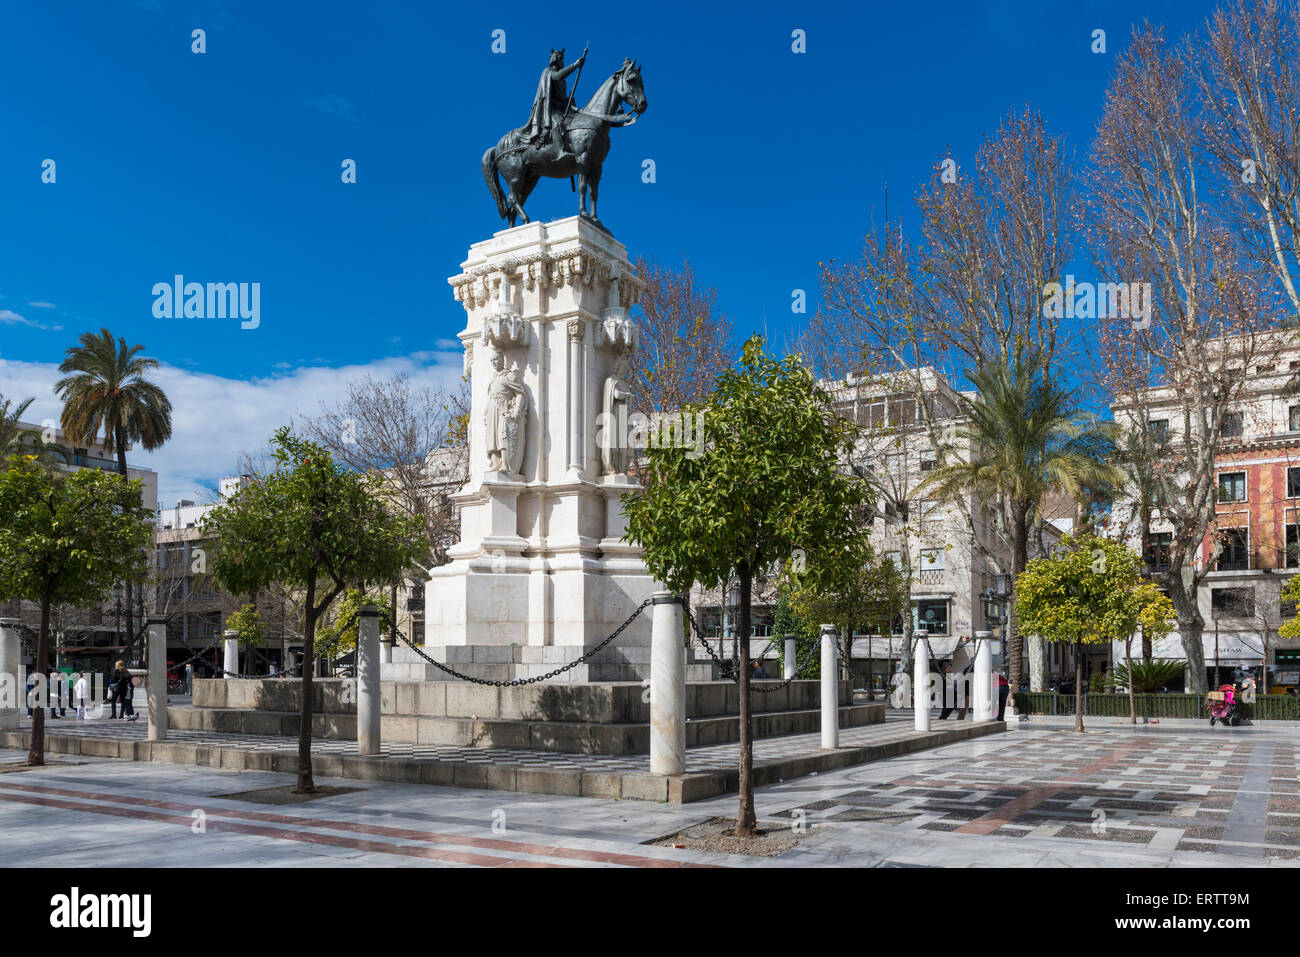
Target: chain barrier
{"x": 525, "y": 681}
{"x": 800, "y": 665}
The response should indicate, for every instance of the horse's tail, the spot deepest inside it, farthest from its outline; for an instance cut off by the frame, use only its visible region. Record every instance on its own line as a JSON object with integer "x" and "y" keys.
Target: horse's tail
{"x": 493, "y": 183}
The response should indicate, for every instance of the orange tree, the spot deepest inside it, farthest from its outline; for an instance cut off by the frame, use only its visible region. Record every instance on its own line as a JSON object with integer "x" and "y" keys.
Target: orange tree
{"x": 769, "y": 491}
{"x": 314, "y": 524}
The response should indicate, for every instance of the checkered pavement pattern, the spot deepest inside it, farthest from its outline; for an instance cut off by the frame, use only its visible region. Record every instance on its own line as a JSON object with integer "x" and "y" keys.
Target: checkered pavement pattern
{"x": 1230, "y": 796}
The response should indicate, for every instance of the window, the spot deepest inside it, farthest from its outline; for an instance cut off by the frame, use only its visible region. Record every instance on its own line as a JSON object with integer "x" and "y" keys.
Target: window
{"x": 928, "y": 461}
{"x": 1234, "y": 554}
{"x": 1232, "y": 486}
{"x": 1263, "y": 370}
{"x": 1293, "y": 482}
{"x": 931, "y": 615}
{"x": 1158, "y": 430}
{"x": 1293, "y": 418}
{"x": 844, "y": 410}
{"x": 903, "y": 412}
{"x": 1158, "y": 550}
{"x": 896, "y": 558}
{"x": 1233, "y": 425}
{"x": 1232, "y": 602}
{"x": 1291, "y": 558}
{"x": 932, "y": 558}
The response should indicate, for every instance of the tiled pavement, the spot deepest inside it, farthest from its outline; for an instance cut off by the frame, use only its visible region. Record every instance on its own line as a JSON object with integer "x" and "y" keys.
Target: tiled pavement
{"x": 1028, "y": 799}
{"x": 1215, "y": 794}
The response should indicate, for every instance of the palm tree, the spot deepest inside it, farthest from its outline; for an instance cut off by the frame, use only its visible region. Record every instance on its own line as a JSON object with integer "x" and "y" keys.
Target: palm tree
{"x": 16, "y": 440}
{"x": 104, "y": 389}
{"x": 1028, "y": 440}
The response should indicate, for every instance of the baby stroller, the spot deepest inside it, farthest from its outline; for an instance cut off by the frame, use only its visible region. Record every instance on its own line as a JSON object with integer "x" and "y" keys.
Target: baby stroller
{"x": 1223, "y": 705}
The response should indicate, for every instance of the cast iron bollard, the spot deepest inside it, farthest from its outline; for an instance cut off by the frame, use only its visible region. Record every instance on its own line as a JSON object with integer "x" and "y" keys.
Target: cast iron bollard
{"x": 367, "y": 679}
{"x": 667, "y": 686}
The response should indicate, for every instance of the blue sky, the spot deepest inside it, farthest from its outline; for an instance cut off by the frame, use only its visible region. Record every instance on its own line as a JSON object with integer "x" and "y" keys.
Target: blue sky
{"x": 225, "y": 167}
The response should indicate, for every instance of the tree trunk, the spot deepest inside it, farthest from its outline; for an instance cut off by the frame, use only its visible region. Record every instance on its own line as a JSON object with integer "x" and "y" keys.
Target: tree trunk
{"x": 1191, "y": 628}
{"x": 36, "y": 754}
{"x": 305, "y": 783}
{"x": 119, "y": 440}
{"x": 1146, "y": 551}
{"x": 1078, "y": 686}
{"x": 746, "y": 823}
{"x": 1019, "y": 559}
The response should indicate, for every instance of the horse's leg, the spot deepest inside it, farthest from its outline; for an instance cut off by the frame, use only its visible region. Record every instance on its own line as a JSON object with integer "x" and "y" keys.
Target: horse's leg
{"x": 593, "y": 178}
{"x": 529, "y": 184}
{"x": 582, "y": 190}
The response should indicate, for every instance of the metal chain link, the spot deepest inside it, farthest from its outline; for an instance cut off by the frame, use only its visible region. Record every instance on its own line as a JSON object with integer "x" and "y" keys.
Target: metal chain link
{"x": 526, "y": 681}
{"x": 799, "y": 666}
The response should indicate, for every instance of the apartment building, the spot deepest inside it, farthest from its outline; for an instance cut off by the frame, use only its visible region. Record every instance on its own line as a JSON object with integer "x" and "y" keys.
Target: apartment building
{"x": 933, "y": 542}
{"x": 1252, "y": 546}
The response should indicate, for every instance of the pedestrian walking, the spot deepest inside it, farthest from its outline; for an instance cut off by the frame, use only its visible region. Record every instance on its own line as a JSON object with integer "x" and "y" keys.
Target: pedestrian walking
{"x": 125, "y": 688}
{"x": 110, "y": 683}
{"x": 1004, "y": 689}
{"x": 31, "y": 694}
{"x": 80, "y": 692}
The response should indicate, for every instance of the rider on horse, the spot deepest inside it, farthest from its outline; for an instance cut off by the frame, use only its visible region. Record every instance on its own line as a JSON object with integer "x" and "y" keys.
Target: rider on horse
{"x": 546, "y": 121}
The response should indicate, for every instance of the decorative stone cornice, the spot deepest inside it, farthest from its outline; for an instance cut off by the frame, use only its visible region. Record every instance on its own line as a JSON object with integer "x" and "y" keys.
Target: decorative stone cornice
{"x": 475, "y": 287}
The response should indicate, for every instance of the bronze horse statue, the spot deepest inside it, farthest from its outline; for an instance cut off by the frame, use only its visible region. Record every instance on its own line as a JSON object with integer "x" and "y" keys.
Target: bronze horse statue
{"x": 586, "y": 144}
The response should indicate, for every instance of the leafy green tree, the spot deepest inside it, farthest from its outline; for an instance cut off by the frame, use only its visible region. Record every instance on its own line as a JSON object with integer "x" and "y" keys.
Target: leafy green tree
{"x": 787, "y": 620}
{"x": 769, "y": 491}
{"x": 1028, "y": 439}
{"x": 871, "y": 592}
{"x": 340, "y": 635}
{"x": 66, "y": 538}
{"x": 1089, "y": 591}
{"x": 247, "y": 625}
{"x": 309, "y": 523}
{"x": 104, "y": 389}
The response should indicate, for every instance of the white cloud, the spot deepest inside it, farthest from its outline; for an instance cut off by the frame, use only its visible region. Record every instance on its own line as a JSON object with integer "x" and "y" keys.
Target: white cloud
{"x": 10, "y": 318}
{"x": 214, "y": 419}
{"x": 41, "y": 305}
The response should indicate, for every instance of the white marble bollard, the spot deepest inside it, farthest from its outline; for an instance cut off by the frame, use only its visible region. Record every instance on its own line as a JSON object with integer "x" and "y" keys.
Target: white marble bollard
{"x": 830, "y": 690}
{"x": 790, "y": 663}
{"x": 12, "y": 690}
{"x": 231, "y": 664}
{"x": 921, "y": 685}
{"x": 367, "y": 679}
{"x": 667, "y": 686}
{"x": 156, "y": 692}
{"x": 386, "y": 650}
{"x": 983, "y": 677}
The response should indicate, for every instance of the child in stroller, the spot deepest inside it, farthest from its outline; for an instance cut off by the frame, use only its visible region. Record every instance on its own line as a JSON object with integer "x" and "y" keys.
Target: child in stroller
{"x": 1223, "y": 705}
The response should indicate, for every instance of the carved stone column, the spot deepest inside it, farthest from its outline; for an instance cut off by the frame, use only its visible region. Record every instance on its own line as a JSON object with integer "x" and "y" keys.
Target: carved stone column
{"x": 577, "y": 395}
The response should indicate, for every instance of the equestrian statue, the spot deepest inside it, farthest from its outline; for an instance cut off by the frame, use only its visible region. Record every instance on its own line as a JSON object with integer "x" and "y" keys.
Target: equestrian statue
{"x": 559, "y": 141}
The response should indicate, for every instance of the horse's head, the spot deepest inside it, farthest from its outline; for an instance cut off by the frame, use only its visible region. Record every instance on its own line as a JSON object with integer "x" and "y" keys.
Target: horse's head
{"x": 630, "y": 90}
